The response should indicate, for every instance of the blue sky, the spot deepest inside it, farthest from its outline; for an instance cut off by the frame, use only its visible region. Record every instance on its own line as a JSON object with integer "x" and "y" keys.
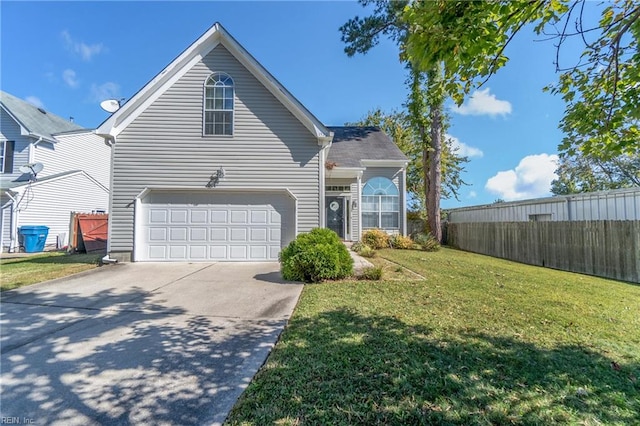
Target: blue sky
{"x": 69, "y": 56}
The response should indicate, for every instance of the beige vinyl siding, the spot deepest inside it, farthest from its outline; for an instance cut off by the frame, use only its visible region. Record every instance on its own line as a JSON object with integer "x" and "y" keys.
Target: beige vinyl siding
{"x": 395, "y": 174}
{"x": 51, "y": 203}
{"x": 76, "y": 151}
{"x": 165, "y": 147}
{"x": 10, "y": 131}
{"x": 355, "y": 216}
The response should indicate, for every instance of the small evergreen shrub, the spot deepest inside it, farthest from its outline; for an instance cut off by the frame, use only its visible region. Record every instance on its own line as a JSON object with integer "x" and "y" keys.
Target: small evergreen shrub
{"x": 358, "y": 246}
{"x": 367, "y": 251}
{"x": 426, "y": 242}
{"x": 316, "y": 256}
{"x": 401, "y": 242}
{"x": 373, "y": 273}
{"x": 376, "y": 238}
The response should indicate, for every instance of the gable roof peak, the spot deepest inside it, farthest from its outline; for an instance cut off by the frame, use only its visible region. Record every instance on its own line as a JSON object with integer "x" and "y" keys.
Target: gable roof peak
{"x": 211, "y": 38}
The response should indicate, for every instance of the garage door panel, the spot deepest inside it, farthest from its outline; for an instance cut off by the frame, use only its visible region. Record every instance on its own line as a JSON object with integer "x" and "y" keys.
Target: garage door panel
{"x": 218, "y": 252}
{"x": 190, "y": 230}
{"x": 239, "y": 216}
{"x": 178, "y": 216}
{"x": 238, "y": 234}
{"x": 158, "y": 216}
{"x": 199, "y": 216}
{"x": 258, "y": 234}
{"x": 237, "y": 252}
{"x": 177, "y": 234}
{"x": 218, "y": 216}
{"x": 218, "y": 234}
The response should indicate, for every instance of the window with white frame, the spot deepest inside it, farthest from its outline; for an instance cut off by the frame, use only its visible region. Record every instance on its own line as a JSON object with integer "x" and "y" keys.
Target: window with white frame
{"x": 380, "y": 204}
{"x": 3, "y": 155}
{"x": 218, "y": 104}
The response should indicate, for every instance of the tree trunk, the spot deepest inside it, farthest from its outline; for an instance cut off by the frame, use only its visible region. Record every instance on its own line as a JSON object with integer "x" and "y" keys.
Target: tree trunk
{"x": 433, "y": 155}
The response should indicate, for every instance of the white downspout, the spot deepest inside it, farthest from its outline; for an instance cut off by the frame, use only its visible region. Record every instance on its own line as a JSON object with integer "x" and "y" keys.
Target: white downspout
{"x": 404, "y": 201}
{"x": 13, "y": 223}
{"x": 359, "y": 180}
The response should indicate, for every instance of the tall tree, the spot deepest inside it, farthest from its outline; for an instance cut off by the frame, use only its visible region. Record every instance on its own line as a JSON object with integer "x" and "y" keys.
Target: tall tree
{"x": 601, "y": 91}
{"x": 586, "y": 173}
{"x": 397, "y": 125}
{"x": 361, "y": 35}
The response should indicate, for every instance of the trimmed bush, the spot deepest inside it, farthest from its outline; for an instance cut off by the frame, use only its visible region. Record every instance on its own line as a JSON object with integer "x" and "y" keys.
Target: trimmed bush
{"x": 376, "y": 238}
{"x": 358, "y": 246}
{"x": 373, "y": 273}
{"x": 426, "y": 242}
{"x": 401, "y": 242}
{"x": 316, "y": 256}
{"x": 367, "y": 251}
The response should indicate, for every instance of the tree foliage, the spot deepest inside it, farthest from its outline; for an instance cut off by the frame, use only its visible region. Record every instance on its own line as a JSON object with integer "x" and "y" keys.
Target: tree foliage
{"x": 397, "y": 125}
{"x": 601, "y": 91}
{"x": 426, "y": 95}
{"x": 587, "y": 173}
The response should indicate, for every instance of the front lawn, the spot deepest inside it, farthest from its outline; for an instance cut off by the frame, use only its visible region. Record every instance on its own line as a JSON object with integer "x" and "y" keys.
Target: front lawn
{"x": 478, "y": 341}
{"x": 21, "y": 271}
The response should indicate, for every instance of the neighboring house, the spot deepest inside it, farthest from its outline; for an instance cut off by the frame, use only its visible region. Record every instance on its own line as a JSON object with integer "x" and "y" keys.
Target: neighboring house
{"x": 614, "y": 204}
{"x": 215, "y": 160}
{"x": 75, "y": 174}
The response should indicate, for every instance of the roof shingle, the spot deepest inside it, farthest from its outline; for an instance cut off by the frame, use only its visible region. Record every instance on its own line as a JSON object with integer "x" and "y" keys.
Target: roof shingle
{"x": 352, "y": 144}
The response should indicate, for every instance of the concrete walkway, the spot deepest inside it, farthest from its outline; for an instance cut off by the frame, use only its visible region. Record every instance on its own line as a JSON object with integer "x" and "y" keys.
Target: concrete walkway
{"x": 359, "y": 262}
{"x": 142, "y": 343}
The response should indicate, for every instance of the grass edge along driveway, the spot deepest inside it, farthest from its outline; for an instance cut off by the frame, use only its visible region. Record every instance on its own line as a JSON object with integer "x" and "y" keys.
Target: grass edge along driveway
{"x": 21, "y": 271}
{"x": 479, "y": 341}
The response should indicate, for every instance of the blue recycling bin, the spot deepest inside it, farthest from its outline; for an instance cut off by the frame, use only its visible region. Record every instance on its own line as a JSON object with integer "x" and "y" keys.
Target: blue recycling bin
{"x": 34, "y": 237}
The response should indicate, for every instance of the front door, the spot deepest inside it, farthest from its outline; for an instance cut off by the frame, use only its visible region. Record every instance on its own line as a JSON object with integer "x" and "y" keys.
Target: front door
{"x": 335, "y": 215}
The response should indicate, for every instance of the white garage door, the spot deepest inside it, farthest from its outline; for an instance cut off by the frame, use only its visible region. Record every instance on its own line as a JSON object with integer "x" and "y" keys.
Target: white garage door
{"x": 211, "y": 232}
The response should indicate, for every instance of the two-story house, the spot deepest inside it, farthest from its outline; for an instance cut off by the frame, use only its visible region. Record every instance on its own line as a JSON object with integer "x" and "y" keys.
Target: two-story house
{"x": 74, "y": 177}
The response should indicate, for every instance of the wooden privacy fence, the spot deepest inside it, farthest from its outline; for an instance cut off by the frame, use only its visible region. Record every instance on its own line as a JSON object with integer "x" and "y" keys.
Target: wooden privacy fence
{"x": 609, "y": 249}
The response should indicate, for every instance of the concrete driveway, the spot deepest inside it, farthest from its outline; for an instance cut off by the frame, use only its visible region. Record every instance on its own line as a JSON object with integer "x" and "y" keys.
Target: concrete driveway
{"x": 141, "y": 343}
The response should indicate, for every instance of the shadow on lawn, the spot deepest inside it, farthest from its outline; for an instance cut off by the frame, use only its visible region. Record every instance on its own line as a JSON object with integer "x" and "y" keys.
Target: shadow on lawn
{"x": 344, "y": 368}
{"x": 88, "y": 258}
{"x": 119, "y": 358}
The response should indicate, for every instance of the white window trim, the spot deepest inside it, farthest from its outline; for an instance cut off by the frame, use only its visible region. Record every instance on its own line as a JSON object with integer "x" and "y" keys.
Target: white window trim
{"x": 379, "y": 203}
{"x": 205, "y": 110}
{"x": 4, "y": 155}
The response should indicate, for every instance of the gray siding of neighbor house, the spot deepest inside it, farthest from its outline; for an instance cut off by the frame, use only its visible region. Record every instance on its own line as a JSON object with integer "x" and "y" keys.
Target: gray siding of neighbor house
{"x": 76, "y": 151}
{"x": 10, "y": 131}
{"x": 395, "y": 174}
{"x": 51, "y": 204}
{"x": 5, "y": 221}
{"x": 165, "y": 147}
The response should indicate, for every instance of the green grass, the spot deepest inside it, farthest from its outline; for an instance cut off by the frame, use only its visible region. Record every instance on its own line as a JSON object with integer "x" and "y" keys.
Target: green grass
{"x": 21, "y": 271}
{"x": 479, "y": 341}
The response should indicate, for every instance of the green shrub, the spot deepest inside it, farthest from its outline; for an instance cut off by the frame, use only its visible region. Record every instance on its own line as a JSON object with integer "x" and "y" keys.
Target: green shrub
{"x": 401, "y": 242}
{"x": 358, "y": 246}
{"x": 426, "y": 242}
{"x": 376, "y": 238}
{"x": 373, "y": 273}
{"x": 367, "y": 251}
{"x": 316, "y": 256}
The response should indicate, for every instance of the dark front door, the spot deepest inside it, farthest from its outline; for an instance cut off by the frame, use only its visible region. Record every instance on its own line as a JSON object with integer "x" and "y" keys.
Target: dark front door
{"x": 335, "y": 215}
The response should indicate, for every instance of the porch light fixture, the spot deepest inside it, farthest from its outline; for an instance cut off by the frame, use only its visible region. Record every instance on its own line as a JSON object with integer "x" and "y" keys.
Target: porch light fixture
{"x": 215, "y": 178}
{"x": 354, "y": 204}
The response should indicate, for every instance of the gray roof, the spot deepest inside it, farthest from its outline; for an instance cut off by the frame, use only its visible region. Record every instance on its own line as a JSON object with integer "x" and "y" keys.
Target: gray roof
{"x": 34, "y": 119}
{"x": 24, "y": 179}
{"x": 352, "y": 144}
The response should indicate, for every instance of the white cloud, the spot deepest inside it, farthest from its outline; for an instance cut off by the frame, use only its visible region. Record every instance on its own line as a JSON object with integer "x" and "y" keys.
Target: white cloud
{"x": 481, "y": 102}
{"x": 464, "y": 149}
{"x": 108, "y": 90}
{"x": 85, "y": 51}
{"x": 69, "y": 77}
{"x": 530, "y": 179}
{"x": 34, "y": 100}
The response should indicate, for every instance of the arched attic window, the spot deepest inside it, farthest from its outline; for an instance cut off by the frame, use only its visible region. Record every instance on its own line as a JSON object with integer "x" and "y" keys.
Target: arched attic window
{"x": 218, "y": 104}
{"x": 380, "y": 204}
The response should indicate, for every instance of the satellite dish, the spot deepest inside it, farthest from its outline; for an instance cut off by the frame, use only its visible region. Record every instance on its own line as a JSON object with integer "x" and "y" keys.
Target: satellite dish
{"x": 110, "y": 105}
{"x": 33, "y": 168}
